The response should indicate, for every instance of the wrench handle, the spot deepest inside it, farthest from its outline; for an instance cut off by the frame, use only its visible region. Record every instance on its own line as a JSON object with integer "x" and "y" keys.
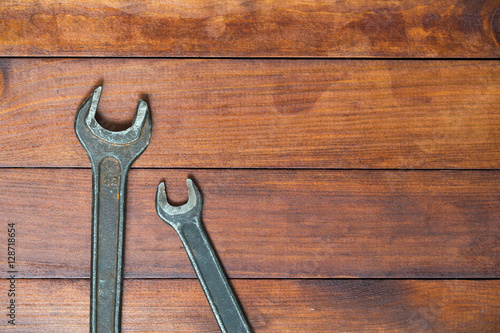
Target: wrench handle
{"x": 214, "y": 282}
{"x": 107, "y": 246}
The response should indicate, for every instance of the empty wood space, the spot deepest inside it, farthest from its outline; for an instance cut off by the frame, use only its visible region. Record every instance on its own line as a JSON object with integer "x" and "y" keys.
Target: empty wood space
{"x": 348, "y": 154}
{"x": 236, "y": 28}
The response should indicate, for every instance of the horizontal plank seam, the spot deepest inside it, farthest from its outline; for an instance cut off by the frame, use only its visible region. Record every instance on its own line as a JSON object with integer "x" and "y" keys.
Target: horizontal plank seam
{"x": 276, "y": 279}
{"x": 251, "y": 58}
{"x": 255, "y": 169}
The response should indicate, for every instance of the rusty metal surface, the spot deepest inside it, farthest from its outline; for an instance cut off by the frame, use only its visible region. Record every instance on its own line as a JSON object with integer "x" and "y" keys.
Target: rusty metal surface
{"x": 186, "y": 220}
{"x": 111, "y": 155}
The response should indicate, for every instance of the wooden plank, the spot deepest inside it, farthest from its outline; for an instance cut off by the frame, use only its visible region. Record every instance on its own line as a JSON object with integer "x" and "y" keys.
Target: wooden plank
{"x": 271, "y": 306}
{"x": 261, "y": 113}
{"x": 235, "y": 28}
{"x": 265, "y": 223}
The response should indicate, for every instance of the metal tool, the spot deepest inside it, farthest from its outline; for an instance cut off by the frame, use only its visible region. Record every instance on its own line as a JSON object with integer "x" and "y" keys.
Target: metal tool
{"x": 111, "y": 154}
{"x": 186, "y": 220}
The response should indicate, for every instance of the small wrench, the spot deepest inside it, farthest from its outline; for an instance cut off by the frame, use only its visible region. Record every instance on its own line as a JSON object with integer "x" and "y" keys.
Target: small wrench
{"x": 186, "y": 220}
{"x": 111, "y": 154}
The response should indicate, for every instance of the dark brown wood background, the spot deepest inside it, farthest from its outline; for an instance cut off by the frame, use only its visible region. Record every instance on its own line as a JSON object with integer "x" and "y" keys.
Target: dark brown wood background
{"x": 348, "y": 153}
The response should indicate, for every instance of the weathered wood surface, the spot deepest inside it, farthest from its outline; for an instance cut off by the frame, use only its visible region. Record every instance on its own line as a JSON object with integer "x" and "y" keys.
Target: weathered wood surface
{"x": 261, "y": 113}
{"x": 235, "y": 28}
{"x": 265, "y": 223}
{"x": 149, "y": 306}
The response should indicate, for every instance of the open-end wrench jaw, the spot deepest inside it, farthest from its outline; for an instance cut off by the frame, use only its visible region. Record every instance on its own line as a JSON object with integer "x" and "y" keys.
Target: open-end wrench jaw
{"x": 186, "y": 221}
{"x": 135, "y": 138}
{"x": 111, "y": 155}
{"x": 177, "y": 216}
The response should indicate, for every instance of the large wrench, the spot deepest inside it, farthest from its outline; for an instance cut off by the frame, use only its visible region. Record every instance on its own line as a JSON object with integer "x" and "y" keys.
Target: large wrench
{"x": 186, "y": 220}
{"x": 111, "y": 154}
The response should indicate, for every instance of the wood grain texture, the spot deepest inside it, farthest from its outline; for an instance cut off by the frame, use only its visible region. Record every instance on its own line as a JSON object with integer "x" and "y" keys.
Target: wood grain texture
{"x": 279, "y": 224}
{"x": 308, "y": 248}
{"x": 149, "y": 306}
{"x": 261, "y": 113}
{"x": 236, "y": 28}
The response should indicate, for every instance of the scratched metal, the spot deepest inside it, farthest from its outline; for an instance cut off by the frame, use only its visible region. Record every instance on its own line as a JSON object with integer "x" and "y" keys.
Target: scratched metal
{"x": 186, "y": 220}
{"x": 111, "y": 155}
